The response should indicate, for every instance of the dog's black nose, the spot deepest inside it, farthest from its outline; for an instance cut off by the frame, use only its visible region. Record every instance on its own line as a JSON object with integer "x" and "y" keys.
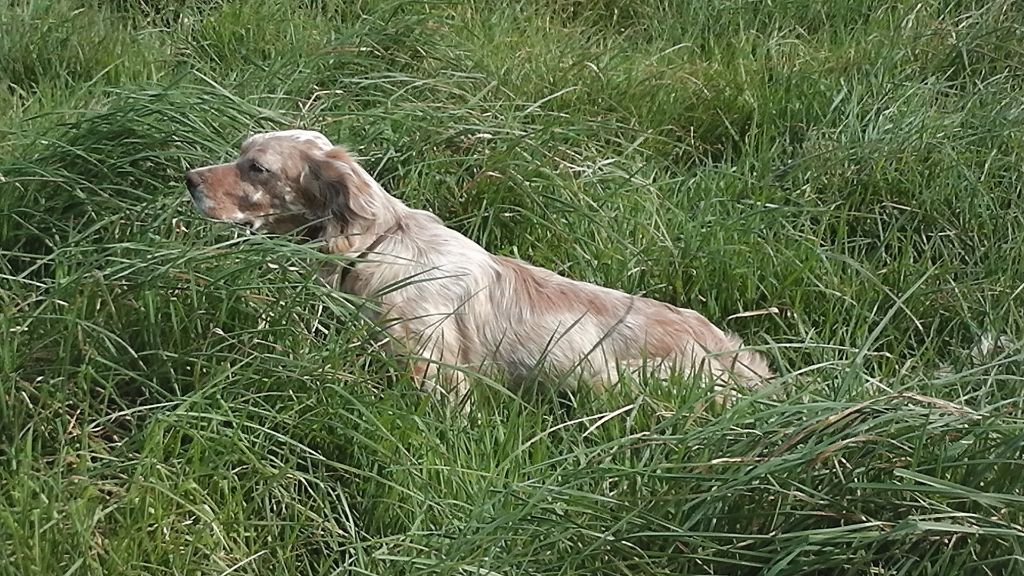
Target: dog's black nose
{"x": 192, "y": 182}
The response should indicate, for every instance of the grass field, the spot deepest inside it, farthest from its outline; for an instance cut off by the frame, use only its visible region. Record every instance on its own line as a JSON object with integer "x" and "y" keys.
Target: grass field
{"x": 179, "y": 397}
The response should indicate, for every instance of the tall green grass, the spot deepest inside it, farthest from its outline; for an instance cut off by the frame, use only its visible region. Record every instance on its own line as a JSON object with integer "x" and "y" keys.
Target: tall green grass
{"x": 177, "y": 397}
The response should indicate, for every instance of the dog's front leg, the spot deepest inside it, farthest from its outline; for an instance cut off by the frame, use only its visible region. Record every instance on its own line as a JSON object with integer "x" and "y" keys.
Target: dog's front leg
{"x": 447, "y": 384}
{"x": 434, "y": 353}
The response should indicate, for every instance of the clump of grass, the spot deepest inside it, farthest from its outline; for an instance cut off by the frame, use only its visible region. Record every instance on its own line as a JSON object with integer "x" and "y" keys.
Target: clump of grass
{"x": 176, "y": 396}
{"x": 53, "y": 47}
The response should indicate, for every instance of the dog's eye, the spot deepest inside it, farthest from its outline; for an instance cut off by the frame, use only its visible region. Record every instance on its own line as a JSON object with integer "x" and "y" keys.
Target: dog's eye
{"x": 259, "y": 168}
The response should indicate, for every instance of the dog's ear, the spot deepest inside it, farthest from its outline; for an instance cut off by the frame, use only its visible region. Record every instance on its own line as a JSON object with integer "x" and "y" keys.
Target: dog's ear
{"x": 337, "y": 187}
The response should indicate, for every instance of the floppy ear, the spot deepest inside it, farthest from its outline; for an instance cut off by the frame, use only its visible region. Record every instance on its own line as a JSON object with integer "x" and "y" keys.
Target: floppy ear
{"x": 337, "y": 188}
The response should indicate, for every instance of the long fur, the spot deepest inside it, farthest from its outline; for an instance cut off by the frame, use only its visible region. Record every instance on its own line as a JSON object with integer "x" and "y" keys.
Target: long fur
{"x": 456, "y": 306}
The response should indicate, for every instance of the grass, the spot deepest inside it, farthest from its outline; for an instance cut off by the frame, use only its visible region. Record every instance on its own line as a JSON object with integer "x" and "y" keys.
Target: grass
{"x": 179, "y": 398}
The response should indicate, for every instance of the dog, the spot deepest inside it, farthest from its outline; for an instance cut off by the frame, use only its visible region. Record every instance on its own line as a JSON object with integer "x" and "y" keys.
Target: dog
{"x": 445, "y": 301}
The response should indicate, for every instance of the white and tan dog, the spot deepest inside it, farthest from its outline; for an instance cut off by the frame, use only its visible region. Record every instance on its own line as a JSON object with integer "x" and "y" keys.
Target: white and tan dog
{"x": 445, "y": 300}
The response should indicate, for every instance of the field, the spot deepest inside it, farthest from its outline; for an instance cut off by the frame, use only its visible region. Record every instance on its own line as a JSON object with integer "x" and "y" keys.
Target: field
{"x": 838, "y": 182}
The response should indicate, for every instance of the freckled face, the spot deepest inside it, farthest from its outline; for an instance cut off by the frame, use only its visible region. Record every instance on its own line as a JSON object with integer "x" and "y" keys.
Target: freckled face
{"x": 260, "y": 190}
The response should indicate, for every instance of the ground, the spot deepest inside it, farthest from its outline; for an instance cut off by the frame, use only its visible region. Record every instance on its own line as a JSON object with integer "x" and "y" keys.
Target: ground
{"x": 838, "y": 182}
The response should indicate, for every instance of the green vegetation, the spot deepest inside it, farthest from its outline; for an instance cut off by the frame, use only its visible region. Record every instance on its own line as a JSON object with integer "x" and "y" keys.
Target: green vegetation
{"x": 178, "y": 397}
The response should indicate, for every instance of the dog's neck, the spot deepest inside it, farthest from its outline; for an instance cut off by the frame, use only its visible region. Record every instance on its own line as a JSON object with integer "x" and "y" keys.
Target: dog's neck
{"x": 353, "y": 238}
{"x": 349, "y": 267}
{"x": 353, "y": 234}
{"x": 357, "y": 237}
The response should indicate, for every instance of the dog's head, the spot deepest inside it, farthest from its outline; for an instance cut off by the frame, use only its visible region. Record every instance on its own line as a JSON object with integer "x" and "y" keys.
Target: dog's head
{"x": 282, "y": 182}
